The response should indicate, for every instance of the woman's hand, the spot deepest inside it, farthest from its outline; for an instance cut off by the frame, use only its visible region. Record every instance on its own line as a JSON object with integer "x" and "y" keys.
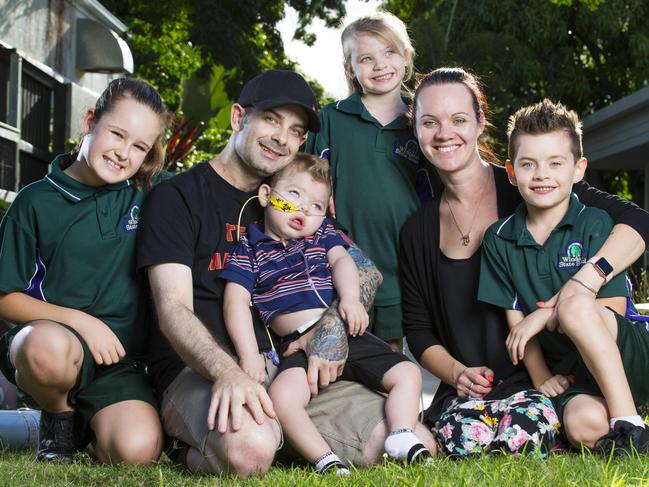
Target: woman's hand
{"x": 105, "y": 347}
{"x": 474, "y": 381}
{"x": 556, "y": 385}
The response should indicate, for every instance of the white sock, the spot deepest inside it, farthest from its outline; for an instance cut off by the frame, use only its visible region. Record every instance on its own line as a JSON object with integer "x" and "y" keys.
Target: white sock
{"x": 634, "y": 420}
{"x": 400, "y": 445}
{"x": 330, "y": 460}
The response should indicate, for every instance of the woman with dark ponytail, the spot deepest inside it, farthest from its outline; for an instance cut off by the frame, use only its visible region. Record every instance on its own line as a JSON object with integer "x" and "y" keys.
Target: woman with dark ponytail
{"x": 483, "y": 402}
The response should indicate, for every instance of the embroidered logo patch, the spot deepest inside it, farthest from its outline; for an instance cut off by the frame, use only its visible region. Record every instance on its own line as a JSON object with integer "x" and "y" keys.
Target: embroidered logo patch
{"x": 131, "y": 219}
{"x": 407, "y": 149}
{"x": 573, "y": 256}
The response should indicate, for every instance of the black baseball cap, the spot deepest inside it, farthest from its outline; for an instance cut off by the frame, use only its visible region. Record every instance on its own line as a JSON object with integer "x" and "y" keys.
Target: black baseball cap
{"x": 278, "y": 87}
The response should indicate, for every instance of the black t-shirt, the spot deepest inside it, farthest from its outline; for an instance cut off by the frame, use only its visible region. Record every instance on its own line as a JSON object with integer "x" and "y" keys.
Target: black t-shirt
{"x": 475, "y": 334}
{"x": 191, "y": 219}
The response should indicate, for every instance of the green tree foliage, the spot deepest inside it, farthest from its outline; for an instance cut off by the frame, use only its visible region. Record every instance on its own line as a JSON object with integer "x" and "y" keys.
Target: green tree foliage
{"x": 242, "y": 34}
{"x": 159, "y": 38}
{"x": 198, "y": 53}
{"x": 172, "y": 39}
{"x": 586, "y": 53}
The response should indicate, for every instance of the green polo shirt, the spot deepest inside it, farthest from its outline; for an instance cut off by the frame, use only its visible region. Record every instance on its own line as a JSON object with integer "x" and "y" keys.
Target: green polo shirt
{"x": 516, "y": 271}
{"x": 74, "y": 245}
{"x": 378, "y": 172}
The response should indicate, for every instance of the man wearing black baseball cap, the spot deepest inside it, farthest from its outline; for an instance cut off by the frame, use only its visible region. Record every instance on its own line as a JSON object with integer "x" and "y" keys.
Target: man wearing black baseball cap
{"x": 277, "y": 87}
{"x": 224, "y": 421}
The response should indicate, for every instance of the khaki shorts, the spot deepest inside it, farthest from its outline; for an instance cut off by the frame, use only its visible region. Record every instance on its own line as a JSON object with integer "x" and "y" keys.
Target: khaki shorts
{"x": 345, "y": 413}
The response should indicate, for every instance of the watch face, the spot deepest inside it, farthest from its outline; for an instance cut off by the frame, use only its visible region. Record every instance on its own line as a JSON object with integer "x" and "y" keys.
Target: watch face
{"x": 603, "y": 264}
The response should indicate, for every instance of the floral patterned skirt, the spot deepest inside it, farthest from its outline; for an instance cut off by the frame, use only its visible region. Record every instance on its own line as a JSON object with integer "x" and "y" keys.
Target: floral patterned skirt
{"x": 523, "y": 422}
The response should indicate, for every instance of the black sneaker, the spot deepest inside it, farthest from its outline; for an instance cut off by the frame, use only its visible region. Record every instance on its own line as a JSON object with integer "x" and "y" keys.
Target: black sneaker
{"x": 623, "y": 440}
{"x": 56, "y": 439}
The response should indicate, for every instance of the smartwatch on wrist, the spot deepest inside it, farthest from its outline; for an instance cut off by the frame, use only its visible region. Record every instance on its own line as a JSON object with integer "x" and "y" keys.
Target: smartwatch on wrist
{"x": 602, "y": 266}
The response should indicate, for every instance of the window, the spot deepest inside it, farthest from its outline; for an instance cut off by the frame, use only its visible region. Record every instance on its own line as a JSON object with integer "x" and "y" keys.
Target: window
{"x": 32, "y": 120}
{"x": 4, "y": 85}
{"x": 7, "y": 164}
{"x": 36, "y": 112}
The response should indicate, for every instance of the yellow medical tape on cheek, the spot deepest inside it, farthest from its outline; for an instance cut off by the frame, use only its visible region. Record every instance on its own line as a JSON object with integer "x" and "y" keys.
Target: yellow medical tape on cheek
{"x": 282, "y": 205}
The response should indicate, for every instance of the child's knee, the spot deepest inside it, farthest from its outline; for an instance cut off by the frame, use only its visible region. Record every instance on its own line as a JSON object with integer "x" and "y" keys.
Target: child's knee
{"x": 290, "y": 389}
{"x": 47, "y": 353}
{"x": 404, "y": 374}
{"x": 134, "y": 448}
{"x": 574, "y": 310}
{"x": 585, "y": 425}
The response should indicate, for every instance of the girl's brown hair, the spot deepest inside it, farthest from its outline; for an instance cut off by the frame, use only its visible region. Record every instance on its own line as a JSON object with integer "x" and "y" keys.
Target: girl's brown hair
{"x": 147, "y": 95}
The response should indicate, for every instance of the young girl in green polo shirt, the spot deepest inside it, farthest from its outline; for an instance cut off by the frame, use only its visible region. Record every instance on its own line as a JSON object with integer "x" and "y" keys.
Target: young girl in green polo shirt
{"x": 68, "y": 280}
{"x": 374, "y": 156}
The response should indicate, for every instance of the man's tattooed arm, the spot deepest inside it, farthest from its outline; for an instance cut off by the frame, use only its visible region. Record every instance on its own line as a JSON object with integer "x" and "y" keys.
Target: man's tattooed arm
{"x": 369, "y": 276}
{"x": 329, "y": 340}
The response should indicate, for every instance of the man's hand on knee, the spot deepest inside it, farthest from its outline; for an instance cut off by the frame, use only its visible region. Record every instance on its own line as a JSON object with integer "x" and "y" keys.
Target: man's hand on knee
{"x": 327, "y": 354}
{"x": 230, "y": 393}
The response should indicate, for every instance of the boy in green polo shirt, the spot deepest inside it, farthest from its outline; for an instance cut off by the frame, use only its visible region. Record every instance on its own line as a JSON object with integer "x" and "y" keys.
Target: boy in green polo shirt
{"x": 601, "y": 359}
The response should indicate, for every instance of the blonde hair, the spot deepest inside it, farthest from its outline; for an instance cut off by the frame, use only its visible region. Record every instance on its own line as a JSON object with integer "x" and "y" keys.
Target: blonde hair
{"x": 387, "y": 27}
{"x": 314, "y": 166}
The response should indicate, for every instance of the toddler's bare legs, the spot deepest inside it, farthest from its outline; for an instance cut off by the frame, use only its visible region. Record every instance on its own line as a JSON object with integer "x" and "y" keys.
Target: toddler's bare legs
{"x": 403, "y": 384}
{"x": 290, "y": 394}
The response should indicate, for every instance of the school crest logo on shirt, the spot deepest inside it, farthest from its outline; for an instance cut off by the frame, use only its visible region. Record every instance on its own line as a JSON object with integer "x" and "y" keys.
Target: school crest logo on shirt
{"x": 573, "y": 256}
{"x": 407, "y": 149}
{"x": 131, "y": 219}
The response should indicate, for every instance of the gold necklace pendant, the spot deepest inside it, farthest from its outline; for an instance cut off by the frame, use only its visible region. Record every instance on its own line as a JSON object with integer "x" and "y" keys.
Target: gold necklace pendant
{"x": 466, "y": 239}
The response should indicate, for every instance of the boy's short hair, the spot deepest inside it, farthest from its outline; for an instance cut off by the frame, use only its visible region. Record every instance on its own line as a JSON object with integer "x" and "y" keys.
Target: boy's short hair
{"x": 315, "y": 166}
{"x": 542, "y": 118}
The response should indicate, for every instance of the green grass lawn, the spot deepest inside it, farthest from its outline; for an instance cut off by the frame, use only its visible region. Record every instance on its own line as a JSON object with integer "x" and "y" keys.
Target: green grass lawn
{"x": 17, "y": 469}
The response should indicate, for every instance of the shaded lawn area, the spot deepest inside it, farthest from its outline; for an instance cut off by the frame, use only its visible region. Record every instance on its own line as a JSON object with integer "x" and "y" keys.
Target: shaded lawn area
{"x": 18, "y": 469}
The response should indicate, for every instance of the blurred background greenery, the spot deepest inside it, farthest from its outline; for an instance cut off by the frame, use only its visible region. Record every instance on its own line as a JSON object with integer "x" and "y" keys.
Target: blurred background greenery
{"x": 586, "y": 53}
